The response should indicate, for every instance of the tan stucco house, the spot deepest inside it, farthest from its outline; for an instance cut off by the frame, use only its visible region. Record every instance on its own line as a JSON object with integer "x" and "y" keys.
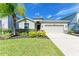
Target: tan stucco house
{"x": 39, "y": 23}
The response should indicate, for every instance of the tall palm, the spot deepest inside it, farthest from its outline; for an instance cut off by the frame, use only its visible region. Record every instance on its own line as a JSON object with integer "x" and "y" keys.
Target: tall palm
{"x": 10, "y": 9}
{"x": 21, "y": 10}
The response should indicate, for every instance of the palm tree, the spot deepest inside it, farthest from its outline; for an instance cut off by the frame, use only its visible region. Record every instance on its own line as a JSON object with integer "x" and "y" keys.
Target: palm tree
{"x": 21, "y": 10}
{"x": 11, "y": 9}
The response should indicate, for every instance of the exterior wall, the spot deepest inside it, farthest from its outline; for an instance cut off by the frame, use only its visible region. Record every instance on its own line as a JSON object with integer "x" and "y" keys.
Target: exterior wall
{"x": 64, "y": 24}
{"x": 21, "y": 25}
{"x": 31, "y": 24}
{"x": 4, "y": 22}
{"x": 10, "y": 22}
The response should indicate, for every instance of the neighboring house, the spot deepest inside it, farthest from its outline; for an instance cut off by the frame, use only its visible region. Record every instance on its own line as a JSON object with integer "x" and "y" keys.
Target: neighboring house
{"x": 6, "y": 22}
{"x": 74, "y": 20}
{"x": 38, "y": 23}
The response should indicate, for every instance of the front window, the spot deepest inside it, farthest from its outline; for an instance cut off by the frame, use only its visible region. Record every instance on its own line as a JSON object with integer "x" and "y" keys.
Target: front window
{"x": 26, "y": 25}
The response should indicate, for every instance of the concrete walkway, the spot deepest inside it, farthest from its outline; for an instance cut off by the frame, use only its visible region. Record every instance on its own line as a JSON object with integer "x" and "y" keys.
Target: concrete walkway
{"x": 68, "y": 44}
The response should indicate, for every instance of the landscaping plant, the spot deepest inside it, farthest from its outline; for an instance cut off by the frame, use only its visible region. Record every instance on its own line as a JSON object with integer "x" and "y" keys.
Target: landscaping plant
{"x": 33, "y": 34}
{"x": 41, "y": 33}
{"x": 37, "y": 33}
{"x": 23, "y": 34}
{"x": 11, "y": 9}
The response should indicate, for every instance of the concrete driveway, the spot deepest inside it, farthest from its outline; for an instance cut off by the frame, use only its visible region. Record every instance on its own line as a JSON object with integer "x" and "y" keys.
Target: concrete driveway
{"x": 68, "y": 44}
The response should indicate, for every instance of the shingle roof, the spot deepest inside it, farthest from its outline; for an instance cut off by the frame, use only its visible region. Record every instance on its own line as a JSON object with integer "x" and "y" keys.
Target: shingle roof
{"x": 38, "y": 17}
{"x": 64, "y": 21}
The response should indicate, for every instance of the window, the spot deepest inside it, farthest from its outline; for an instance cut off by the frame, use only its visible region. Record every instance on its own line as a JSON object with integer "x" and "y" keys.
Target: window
{"x": 26, "y": 25}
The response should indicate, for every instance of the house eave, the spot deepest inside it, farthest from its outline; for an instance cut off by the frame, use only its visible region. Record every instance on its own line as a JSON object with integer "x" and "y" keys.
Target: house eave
{"x": 55, "y": 21}
{"x": 24, "y": 19}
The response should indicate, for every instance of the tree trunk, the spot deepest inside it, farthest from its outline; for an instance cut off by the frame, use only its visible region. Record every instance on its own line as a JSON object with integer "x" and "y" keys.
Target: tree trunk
{"x": 14, "y": 24}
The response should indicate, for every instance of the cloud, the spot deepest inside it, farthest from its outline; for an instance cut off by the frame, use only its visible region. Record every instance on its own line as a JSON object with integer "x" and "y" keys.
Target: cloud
{"x": 49, "y": 16}
{"x": 68, "y": 11}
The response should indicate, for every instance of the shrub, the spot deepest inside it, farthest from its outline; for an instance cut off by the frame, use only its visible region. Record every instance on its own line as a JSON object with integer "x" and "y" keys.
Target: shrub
{"x": 41, "y": 33}
{"x": 22, "y": 30}
{"x": 32, "y": 34}
{"x": 23, "y": 34}
{"x": 37, "y": 34}
{"x": 5, "y": 30}
{"x": 70, "y": 31}
{"x": 5, "y": 36}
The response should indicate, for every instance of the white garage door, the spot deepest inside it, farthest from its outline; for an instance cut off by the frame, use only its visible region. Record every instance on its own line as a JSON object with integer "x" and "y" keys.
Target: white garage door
{"x": 54, "y": 28}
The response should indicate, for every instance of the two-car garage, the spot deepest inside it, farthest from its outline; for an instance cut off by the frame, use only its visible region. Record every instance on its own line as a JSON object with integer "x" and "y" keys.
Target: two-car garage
{"x": 55, "y": 27}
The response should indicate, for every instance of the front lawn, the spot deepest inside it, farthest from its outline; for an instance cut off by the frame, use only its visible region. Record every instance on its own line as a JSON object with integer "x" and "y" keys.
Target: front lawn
{"x": 28, "y": 47}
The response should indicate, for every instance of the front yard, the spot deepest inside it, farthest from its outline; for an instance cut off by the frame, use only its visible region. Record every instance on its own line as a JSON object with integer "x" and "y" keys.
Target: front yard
{"x": 29, "y": 47}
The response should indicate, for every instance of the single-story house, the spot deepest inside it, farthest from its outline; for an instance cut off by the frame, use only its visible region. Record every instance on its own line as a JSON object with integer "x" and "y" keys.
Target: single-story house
{"x": 39, "y": 23}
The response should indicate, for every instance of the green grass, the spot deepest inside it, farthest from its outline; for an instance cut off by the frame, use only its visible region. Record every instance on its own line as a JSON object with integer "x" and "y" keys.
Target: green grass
{"x": 28, "y": 47}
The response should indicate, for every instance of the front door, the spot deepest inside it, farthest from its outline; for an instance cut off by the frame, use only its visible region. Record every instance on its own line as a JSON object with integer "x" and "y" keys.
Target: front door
{"x": 38, "y": 25}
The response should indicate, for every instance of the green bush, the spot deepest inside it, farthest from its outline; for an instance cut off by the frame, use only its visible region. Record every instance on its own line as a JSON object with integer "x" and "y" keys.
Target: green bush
{"x": 70, "y": 31}
{"x": 41, "y": 33}
{"x": 5, "y": 30}
{"x": 37, "y": 34}
{"x": 32, "y": 34}
{"x": 23, "y": 34}
{"x": 5, "y": 36}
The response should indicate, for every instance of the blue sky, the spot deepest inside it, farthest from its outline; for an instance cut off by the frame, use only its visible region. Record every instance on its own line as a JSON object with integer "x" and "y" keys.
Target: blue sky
{"x": 50, "y": 10}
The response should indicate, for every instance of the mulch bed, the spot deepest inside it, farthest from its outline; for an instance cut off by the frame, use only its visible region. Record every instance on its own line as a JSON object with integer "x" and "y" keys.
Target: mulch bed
{"x": 17, "y": 37}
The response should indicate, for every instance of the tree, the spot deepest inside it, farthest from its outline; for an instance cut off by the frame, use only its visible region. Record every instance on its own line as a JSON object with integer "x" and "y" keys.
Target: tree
{"x": 10, "y": 9}
{"x": 21, "y": 10}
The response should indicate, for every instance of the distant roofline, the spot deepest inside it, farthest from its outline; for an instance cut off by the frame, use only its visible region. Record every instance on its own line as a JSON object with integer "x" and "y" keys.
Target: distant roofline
{"x": 69, "y": 15}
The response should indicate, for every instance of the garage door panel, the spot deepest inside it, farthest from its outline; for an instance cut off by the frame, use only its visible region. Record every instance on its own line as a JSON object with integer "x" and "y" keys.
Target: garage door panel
{"x": 54, "y": 28}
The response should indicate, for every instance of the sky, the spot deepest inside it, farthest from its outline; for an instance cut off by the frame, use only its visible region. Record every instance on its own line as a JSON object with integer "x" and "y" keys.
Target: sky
{"x": 50, "y": 10}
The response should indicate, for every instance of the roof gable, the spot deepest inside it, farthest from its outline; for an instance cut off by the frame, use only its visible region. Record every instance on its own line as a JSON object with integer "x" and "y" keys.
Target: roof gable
{"x": 24, "y": 19}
